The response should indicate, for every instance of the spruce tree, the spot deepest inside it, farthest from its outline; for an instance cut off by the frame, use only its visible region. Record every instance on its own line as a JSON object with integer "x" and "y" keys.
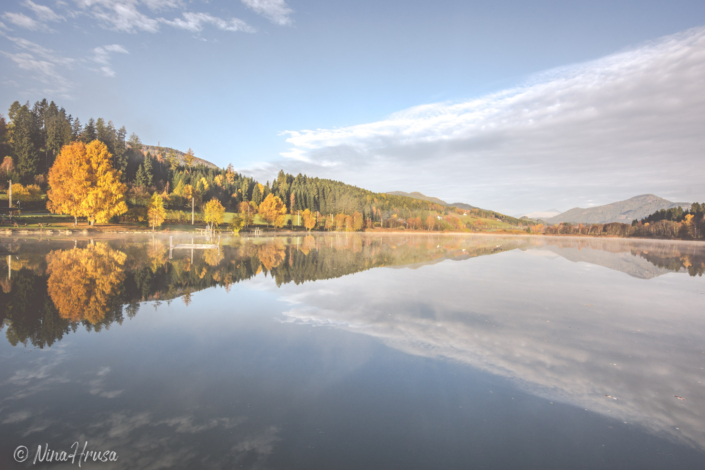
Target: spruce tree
{"x": 141, "y": 177}
{"x": 89, "y": 133}
{"x": 148, "y": 172}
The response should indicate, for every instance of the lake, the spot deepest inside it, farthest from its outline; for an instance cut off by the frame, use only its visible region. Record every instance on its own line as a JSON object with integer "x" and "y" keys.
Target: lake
{"x": 385, "y": 351}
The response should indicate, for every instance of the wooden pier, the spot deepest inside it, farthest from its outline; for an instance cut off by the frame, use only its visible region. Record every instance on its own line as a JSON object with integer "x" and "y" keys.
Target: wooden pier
{"x": 192, "y": 246}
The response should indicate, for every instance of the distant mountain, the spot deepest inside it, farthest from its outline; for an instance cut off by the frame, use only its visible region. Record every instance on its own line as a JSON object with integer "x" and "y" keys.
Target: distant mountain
{"x": 623, "y": 211}
{"x": 543, "y": 214}
{"x": 164, "y": 151}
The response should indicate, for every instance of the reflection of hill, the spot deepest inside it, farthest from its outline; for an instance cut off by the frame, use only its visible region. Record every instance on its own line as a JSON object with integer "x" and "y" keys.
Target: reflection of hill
{"x": 637, "y": 258}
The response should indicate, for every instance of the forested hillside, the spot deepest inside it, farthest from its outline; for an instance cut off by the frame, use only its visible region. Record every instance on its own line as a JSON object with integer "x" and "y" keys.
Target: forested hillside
{"x": 35, "y": 135}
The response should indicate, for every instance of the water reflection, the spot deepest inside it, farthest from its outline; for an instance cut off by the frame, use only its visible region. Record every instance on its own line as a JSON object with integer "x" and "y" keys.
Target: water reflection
{"x": 49, "y": 291}
{"x": 610, "y": 326}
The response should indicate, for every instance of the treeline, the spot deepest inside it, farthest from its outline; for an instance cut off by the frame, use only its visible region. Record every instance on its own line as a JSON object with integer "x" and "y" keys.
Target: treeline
{"x": 674, "y": 223}
{"x": 674, "y": 214}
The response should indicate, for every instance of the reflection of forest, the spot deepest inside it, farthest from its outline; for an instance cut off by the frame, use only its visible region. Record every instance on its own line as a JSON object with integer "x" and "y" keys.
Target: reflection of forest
{"x": 50, "y": 291}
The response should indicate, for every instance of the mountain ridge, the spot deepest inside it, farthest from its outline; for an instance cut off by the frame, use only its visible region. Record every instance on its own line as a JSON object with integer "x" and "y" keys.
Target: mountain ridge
{"x": 624, "y": 212}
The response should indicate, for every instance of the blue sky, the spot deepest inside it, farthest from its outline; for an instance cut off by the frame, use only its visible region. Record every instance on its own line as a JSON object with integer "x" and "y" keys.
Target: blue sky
{"x": 360, "y": 87}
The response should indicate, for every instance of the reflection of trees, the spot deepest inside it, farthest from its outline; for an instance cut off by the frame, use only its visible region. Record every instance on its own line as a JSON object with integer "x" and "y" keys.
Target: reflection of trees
{"x": 157, "y": 254}
{"x": 97, "y": 284}
{"x": 213, "y": 257}
{"x": 83, "y": 281}
{"x": 271, "y": 254}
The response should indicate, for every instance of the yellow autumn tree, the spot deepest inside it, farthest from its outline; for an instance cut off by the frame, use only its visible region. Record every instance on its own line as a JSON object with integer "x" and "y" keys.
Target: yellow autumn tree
{"x": 189, "y": 158}
{"x": 213, "y": 213}
{"x": 156, "y": 212}
{"x": 309, "y": 220}
{"x": 68, "y": 181}
{"x": 84, "y": 183}
{"x": 83, "y": 281}
{"x": 272, "y": 208}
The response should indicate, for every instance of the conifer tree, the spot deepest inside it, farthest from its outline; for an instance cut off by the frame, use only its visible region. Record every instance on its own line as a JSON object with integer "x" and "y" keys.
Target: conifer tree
{"x": 148, "y": 172}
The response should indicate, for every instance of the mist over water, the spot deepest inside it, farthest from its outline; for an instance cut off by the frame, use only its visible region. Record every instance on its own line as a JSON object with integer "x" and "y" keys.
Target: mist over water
{"x": 356, "y": 351}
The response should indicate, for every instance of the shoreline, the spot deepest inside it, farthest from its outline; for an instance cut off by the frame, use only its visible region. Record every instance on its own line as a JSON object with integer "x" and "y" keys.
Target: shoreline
{"x": 109, "y": 231}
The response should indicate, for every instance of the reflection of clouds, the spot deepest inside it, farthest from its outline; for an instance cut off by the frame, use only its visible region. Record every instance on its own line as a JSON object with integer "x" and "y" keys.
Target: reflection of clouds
{"x": 41, "y": 377}
{"x": 17, "y": 417}
{"x": 98, "y": 386}
{"x": 262, "y": 443}
{"x": 560, "y": 330}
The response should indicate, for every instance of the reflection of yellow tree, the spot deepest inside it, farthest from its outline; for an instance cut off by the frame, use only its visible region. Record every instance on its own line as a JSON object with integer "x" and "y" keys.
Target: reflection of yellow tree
{"x": 308, "y": 245}
{"x": 82, "y": 281}
{"x": 271, "y": 255}
{"x": 213, "y": 257}
{"x": 157, "y": 255}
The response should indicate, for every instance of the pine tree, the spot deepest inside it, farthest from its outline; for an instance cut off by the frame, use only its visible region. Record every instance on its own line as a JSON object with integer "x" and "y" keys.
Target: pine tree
{"x": 141, "y": 177}
{"x": 148, "y": 172}
{"x": 22, "y": 135}
{"x": 89, "y": 133}
{"x": 76, "y": 130}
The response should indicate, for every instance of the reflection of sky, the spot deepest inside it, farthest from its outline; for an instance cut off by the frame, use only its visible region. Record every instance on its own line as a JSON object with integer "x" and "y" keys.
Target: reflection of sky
{"x": 230, "y": 381}
{"x": 571, "y": 332}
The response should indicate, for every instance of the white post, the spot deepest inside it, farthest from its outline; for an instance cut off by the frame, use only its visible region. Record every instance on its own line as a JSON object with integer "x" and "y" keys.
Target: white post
{"x": 192, "y": 209}
{"x": 9, "y": 195}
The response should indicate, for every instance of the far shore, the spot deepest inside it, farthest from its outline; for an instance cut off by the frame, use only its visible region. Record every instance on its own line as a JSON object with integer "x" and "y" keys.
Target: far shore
{"x": 196, "y": 230}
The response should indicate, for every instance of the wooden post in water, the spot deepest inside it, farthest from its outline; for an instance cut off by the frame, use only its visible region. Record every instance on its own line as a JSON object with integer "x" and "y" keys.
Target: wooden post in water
{"x": 192, "y": 209}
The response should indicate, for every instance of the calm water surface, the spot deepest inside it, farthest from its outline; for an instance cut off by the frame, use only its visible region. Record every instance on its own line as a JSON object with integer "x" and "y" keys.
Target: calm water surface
{"x": 352, "y": 352}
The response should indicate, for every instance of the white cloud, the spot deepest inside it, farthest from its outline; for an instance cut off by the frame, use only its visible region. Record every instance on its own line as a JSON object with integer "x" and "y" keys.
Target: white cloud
{"x": 194, "y": 22}
{"x": 276, "y": 11}
{"x": 21, "y": 20}
{"x": 101, "y": 55}
{"x": 44, "y": 13}
{"x": 606, "y": 130}
{"x": 46, "y": 66}
{"x": 125, "y": 16}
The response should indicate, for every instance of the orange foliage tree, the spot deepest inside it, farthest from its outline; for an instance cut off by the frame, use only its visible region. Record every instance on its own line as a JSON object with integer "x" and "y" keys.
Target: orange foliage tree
{"x": 272, "y": 209}
{"x": 84, "y": 183}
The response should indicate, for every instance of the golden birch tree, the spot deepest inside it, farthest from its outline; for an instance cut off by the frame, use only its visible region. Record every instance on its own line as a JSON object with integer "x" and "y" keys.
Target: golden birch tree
{"x": 156, "y": 212}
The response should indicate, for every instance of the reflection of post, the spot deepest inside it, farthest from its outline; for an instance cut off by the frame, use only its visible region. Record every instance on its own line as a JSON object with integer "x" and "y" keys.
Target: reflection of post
{"x": 9, "y": 266}
{"x": 192, "y": 251}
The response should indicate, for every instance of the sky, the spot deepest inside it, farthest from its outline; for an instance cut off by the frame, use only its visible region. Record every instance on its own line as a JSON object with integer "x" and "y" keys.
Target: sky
{"x": 508, "y": 105}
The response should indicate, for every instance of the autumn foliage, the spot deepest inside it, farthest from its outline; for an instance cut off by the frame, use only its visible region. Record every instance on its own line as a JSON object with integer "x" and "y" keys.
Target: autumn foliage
{"x": 83, "y": 281}
{"x": 84, "y": 183}
{"x": 272, "y": 209}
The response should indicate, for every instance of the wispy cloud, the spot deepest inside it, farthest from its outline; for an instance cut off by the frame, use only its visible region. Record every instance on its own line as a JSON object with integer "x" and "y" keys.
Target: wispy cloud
{"x": 194, "y": 22}
{"x": 623, "y": 125}
{"x": 125, "y": 16}
{"x": 44, "y": 13}
{"x": 45, "y": 65}
{"x": 276, "y": 11}
{"x": 101, "y": 55}
{"x": 21, "y": 20}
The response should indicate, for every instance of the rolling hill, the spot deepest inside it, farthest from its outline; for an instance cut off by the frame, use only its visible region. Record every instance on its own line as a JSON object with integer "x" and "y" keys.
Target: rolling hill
{"x": 622, "y": 211}
{"x": 423, "y": 197}
{"x": 543, "y": 214}
{"x": 164, "y": 151}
